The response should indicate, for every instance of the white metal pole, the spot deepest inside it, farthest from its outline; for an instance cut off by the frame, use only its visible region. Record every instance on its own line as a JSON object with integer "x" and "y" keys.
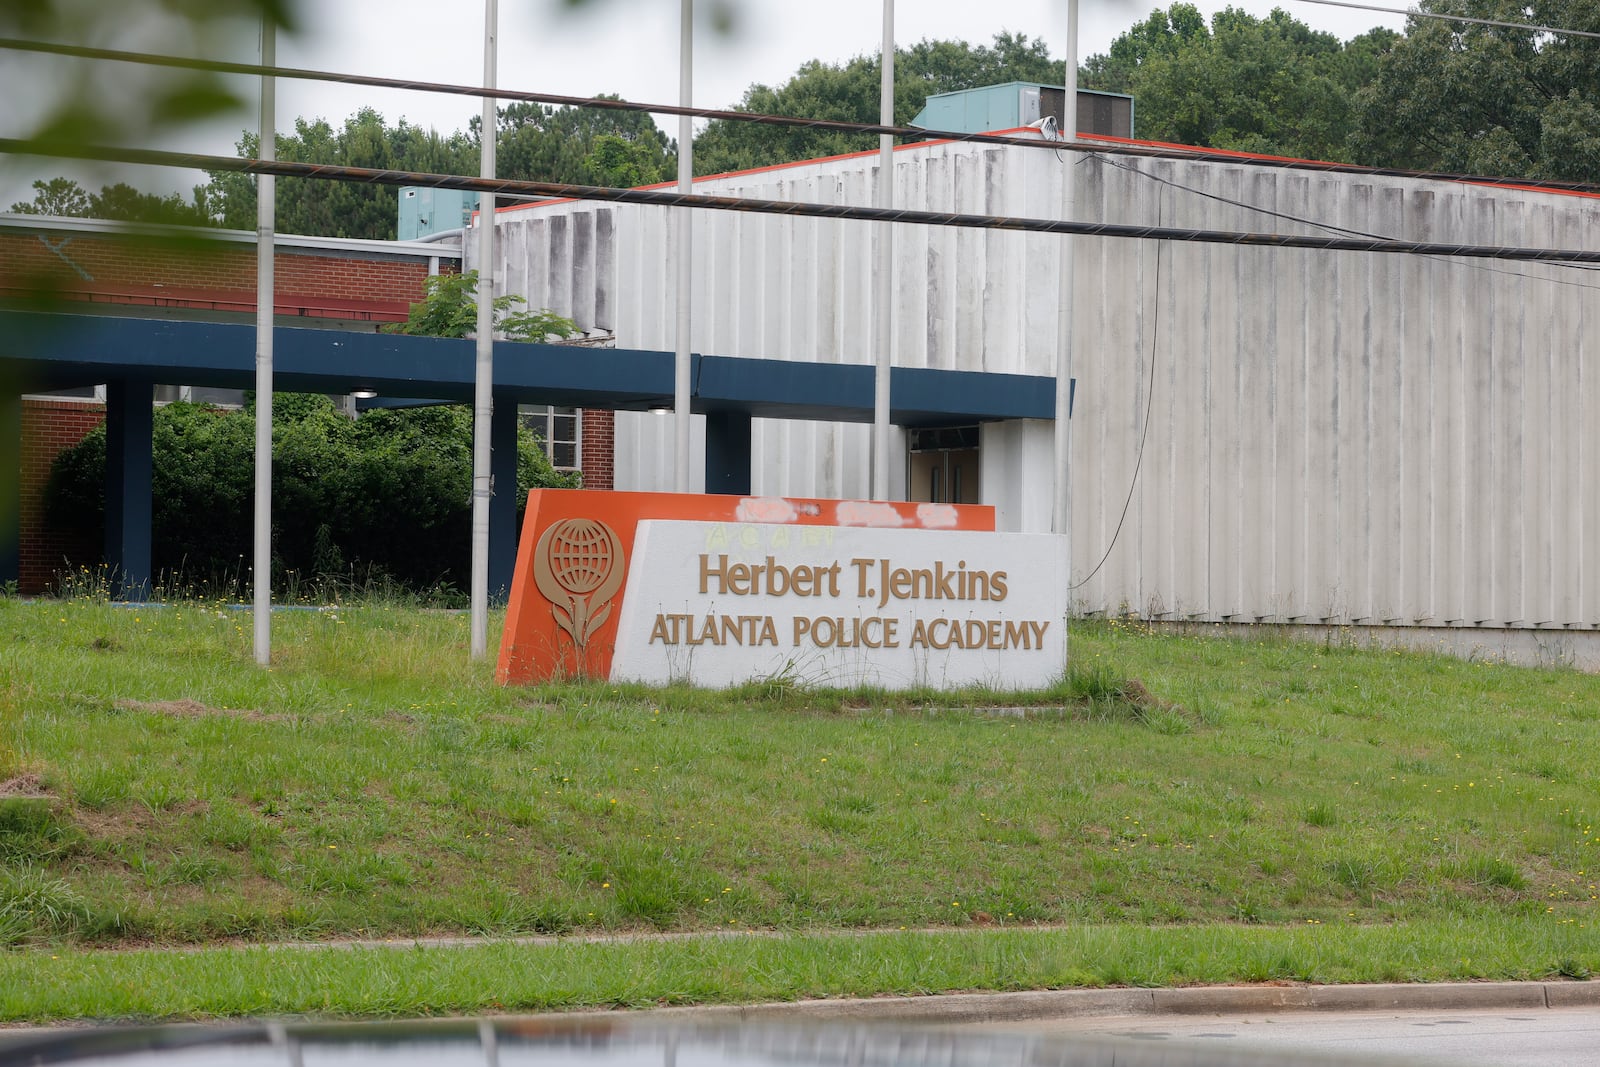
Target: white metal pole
{"x": 884, "y": 296}
{"x": 266, "y": 196}
{"x": 1062, "y": 520}
{"x": 483, "y": 385}
{"x": 683, "y": 285}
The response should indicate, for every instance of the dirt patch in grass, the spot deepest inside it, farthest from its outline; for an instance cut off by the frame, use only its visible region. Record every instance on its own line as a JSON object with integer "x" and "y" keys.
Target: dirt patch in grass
{"x": 1134, "y": 692}
{"x": 130, "y": 819}
{"x": 193, "y": 709}
{"x": 29, "y": 786}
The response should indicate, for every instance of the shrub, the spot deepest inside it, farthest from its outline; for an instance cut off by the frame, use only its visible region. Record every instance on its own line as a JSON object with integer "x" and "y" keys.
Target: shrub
{"x": 387, "y": 496}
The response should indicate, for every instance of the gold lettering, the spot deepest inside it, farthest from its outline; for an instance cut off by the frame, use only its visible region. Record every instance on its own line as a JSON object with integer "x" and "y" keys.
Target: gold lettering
{"x": 919, "y": 634}
{"x": 862, "y": 566}
{"x": 774, "y": 573}
{"x": 769, "y": 633}
{"x": 992, "y": 635}
{"x": 706, "y": 573}
{"x": 865, "y": 626}
{"x": 1018, "y": 635}
{"x": 890, "y": 628}
{"x": 660, "y": 632}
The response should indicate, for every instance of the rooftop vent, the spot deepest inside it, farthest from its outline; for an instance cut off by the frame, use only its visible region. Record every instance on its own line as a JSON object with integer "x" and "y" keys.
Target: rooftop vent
{"x": 1012, "y": 104}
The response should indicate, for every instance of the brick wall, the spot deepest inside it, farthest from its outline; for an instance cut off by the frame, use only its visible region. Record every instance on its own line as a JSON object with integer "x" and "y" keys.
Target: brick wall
{"x": 192, "y": 273}
{"x": 48, "y": 428}
{"x": 599, "y": 448}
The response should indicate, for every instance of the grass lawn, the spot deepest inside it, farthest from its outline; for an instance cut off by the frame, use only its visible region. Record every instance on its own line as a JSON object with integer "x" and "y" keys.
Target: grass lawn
{"x": 1245, "y": 812}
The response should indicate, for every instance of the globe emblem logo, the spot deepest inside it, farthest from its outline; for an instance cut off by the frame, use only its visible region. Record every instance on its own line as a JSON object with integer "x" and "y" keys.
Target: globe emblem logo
{"x": 580, "y": 555}
{"x": 578, "y": 566}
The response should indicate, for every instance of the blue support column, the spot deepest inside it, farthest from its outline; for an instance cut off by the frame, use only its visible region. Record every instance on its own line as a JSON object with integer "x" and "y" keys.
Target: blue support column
{"x": 503, "y": 505}
{"x": 728, "y": 453}
{"x": 10, "y": 487}
{"x": 128, "y": 501}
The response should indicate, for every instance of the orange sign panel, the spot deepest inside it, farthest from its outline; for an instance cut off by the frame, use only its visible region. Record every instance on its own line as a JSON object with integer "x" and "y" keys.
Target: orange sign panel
{"x": 572, "y": 563}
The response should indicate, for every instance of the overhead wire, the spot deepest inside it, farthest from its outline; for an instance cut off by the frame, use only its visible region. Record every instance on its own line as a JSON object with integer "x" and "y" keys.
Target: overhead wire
{"x": 1331, "y": 228}
{"x": 672, "y": 198}
{"x": 1149, "y": 406}
{"x": 1412, "y": 13}
{"x": 1105, "y": 146}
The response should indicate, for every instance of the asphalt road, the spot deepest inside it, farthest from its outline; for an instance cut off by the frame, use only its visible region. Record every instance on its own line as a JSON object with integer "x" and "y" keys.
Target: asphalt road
{"x": 1554, "y": 1037}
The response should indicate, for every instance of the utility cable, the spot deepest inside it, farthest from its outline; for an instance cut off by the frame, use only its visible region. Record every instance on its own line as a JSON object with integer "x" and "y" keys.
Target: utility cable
{"x": 1108, "y": 146}
{"x": 1149, "y": 406}
{"x": 1331, "y": 228}
{"x": 672, "y": 198}
{"x": 1413, "y": 14}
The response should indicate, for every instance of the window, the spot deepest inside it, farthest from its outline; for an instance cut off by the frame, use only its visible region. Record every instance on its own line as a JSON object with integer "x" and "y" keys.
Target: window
{"x": 560, "y": 433}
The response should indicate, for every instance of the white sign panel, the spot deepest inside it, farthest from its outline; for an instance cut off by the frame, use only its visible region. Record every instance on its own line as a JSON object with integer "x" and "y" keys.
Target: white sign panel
{"x": 719, "y": 604}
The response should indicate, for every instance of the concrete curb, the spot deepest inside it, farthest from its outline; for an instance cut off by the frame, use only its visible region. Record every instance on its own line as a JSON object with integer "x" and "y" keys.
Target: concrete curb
{"x": 959, "y": 1008}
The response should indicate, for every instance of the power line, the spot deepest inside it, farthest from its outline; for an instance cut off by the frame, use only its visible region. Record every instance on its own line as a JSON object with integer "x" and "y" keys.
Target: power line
{"x": 1331, "y": 228}
{"x": 672, "y": 198}
{"x": 1144, "y": 428}
{"x": 1454, "y": 18}
{"x": 596, "y": 102}
{"x": 1109, "y": 147}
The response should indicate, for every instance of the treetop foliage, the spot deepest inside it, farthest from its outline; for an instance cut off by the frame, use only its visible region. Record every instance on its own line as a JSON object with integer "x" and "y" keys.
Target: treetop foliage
{"x": 449, "y": 308}
{"x": 121, "y": 203}
{"x": 1487, "y": 99}
{"x": 849, "y": 92}
{"x": 535, "y": 143}
{"x": 1270, "y": 85}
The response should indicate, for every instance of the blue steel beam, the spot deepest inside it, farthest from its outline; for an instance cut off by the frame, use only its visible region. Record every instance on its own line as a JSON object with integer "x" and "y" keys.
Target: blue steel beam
{"x": 63, "y": 351}
{"x": 129, "y": 472}
{"x": 503, "y": 505}
{"x": 10, "y": 485}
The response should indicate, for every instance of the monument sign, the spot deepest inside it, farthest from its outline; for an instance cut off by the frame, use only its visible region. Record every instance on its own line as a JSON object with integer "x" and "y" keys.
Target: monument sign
{"x": 717, "y": 591}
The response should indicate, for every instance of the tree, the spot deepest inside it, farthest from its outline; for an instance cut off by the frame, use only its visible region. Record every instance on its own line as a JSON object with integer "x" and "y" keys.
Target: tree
{"x": 582, "y": 146}
{"x": 333, "y": 208}
{"x": 1162, "y": 35}
{"x": 386, "y": 495}
{"x": 120, "y": 203}
{"x": 850, "y": 93}
{"x": 1270, "y": 85}
{"x": 61, "y": 197}
{"x": 448, "y": 308}
{"x": 585, "y": 146}
{"x": 1486, "y": 99}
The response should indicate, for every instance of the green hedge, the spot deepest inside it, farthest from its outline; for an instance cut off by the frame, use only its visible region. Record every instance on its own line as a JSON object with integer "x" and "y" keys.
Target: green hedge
{"x": 386, "y": 497}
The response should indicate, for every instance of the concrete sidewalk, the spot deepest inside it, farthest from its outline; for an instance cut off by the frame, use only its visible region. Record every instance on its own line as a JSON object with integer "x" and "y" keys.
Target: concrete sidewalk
{"x": 967, "y": 1008}
{"x": 955, "y": 1008}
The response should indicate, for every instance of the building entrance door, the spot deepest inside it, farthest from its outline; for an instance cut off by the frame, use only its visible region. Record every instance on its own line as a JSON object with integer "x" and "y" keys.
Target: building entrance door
{"x": 942, "y": 465}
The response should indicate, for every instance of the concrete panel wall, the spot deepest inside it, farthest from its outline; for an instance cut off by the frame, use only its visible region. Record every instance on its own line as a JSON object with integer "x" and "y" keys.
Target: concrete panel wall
{"x": 1342, "y": 437}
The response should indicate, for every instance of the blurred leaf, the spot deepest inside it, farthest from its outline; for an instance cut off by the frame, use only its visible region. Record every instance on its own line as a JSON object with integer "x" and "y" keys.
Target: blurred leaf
{"x": 194, "y": 100}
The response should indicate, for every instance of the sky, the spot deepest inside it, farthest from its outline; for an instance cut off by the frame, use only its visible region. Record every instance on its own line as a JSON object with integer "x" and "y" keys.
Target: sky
{"x": 626, "y": 47}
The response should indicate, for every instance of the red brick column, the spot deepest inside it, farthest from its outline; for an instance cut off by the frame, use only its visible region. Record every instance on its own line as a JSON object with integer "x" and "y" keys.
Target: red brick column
{"x": 49, "y": 427}
{"x": 599, "y": 448}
